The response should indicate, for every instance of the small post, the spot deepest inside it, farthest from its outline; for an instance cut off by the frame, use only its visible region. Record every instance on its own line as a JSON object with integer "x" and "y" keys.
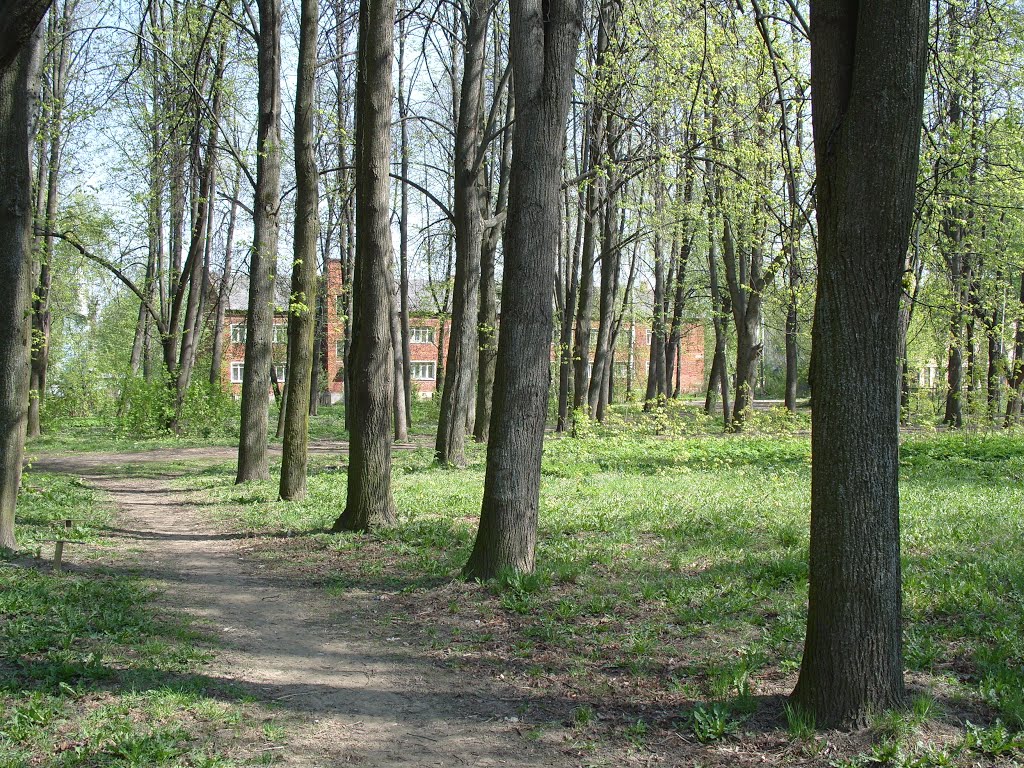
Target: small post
{"x": 58, "y": 554}
{"x": 69, "y": 524}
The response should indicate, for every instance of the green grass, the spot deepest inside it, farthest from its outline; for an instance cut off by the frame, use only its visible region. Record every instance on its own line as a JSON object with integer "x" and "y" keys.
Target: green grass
{"x": 87, "y": 435}
{"x": 672, "y": 574}
{"x": 92, "y": 672}
{"x": 671, "y": 587}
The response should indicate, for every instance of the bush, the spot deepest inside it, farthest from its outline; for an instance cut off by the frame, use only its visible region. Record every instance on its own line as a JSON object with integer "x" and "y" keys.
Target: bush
{"x": 145, "y": 409}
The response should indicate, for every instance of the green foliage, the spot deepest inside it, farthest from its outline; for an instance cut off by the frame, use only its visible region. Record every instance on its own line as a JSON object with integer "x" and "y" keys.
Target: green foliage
{"x": 146, "y": 408}
{"x": 994, "y": 740}
{"x": 712, "y": 722}
{"x": 799, "y": 722}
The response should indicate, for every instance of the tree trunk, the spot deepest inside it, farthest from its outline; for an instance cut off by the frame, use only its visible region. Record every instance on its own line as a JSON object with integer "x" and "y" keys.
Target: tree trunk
{"x": 954, "y": 416}
{"x": 369, "y": 503}
{"x": 198, "y": 254}
{"x": 867, "y": 123}
{"x": 792, "y": 347}
{"x": 673, "y": 359}
{"x": 487, "y": 342}
{"x": 609, "y": 283}
{"x": 58, "y": 35}
{"x": 592, "y": 209}
{"x": 217, "y": 355}
{"x": 543, "y": 46}
{"x": 719, "y": 376}
{"x": 400, "y": 413}
{"x": 403, "y": 228}
{"x": 302, "y": 312}
{"x": 488, "y": 319}
{"x": 1016, "y": 379}
{"x": 656, "y": 364}
{"x": 18, "y": 91}
{"x": 463, "y": 346}
{"x": 252, "y": 443}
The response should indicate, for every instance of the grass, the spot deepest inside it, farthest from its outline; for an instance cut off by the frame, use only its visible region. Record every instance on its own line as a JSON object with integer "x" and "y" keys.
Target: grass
{"x": 92, "y": 672}
{"x": 669, "y": 601}
{"x": 672, "y": 580}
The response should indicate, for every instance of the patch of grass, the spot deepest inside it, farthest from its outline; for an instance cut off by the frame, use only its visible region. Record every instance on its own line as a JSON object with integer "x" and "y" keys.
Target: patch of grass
{"x": 799, "y": 722}
{"x": 672, "y": 572}
{"x": 712, "y": 722}
{"x": 92, "y": 673}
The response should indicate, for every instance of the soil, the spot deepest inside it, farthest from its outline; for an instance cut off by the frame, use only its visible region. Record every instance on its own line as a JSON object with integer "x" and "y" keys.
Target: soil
{"x": 348, "y": 691}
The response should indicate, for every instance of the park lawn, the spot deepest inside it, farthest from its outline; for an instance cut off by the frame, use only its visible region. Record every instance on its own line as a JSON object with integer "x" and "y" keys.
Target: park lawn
{"x": 92, "y": 671}
{"x": 667, "y": 611}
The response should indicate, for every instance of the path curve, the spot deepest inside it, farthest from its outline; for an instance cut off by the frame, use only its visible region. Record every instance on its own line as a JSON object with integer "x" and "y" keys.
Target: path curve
{"x": 352, "y": 699}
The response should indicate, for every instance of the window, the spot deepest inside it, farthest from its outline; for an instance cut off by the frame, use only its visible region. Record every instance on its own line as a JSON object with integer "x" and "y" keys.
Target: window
{"x": 238, "y": 333}
{"x": 280, "y": 333}
{"x": 650, "y": 336}
{"x": 237, "y": 370}
{"x": 279, "y": 372}
{"x": 421, "y": 335}
{"x": 422, "y": 370}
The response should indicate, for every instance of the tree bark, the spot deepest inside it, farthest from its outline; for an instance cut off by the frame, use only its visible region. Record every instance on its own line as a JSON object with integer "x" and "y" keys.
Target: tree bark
{"x": 403, "y": 227}
{"x": 369, "y": 503}
{"x": 720, "y": 313}
{"x": 217, "y": 355}
{"x": 252, "y": 443}
{"x": 1016, "y": 379}
{"x": 609, "y": 283}
{"x": 19, "y": 20}
{"x": 488, "y": 318}
{"x": 59, "y": 31}
{"x": 543, "y": 46}
{"x": 400, "y": 412}
{"x": 463, "y": 346}
{"x": 18, "y": 92}
{"x": 303, "y": 299}
{"x": 867, "y": 123}
{"x": 593, "y": 207}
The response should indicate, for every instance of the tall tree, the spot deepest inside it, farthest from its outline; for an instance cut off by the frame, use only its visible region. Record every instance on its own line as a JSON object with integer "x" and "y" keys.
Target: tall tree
{"x": 19, "y": 69}
{"x": 303, "y": 299}
{"x": 488, "y": 316}
{"x": 460, "y": 373}
{"x": 58, "y": 36}
{"x": 369, "y": 503}
{"x": 543, "y": 46}
{"x": 252, "y": 441}
{"x": 867, "y": 83}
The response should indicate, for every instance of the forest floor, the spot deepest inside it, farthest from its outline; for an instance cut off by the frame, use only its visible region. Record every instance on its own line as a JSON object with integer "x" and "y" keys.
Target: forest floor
{"x": 663, "y": 627}
{"x": 339, "y": 688}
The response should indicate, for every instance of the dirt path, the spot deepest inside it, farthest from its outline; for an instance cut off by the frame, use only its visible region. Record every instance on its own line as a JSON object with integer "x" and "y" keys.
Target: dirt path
{"x": 353, "y": 695}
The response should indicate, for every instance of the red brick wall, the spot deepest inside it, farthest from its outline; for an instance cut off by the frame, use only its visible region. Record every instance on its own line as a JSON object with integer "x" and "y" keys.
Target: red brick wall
{"x": 425, "y": 352}
{"x": 235, "y": 353}
{"x": 335, "y": 327}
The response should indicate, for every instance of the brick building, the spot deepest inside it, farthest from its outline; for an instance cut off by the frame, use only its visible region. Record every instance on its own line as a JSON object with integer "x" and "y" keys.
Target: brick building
{"x": 632, "y": 352}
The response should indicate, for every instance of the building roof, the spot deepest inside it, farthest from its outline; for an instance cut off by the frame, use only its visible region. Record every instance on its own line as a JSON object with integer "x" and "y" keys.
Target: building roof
{"x": 238, "y": 292}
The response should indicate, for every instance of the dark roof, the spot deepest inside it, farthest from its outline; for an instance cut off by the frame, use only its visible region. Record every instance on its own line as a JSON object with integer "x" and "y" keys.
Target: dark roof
{"x": 238, "y": 292}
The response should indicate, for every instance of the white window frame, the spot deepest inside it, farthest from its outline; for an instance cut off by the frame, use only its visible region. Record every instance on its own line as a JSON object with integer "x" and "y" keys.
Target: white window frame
{"x": 281, "y": 370}
{"x": 418, "y": 370}
{"x": 421, "y": 334}
{"x": 237, "y": 371}
{"x": 280, "y": 333}
{"x": 238, "y": 333}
